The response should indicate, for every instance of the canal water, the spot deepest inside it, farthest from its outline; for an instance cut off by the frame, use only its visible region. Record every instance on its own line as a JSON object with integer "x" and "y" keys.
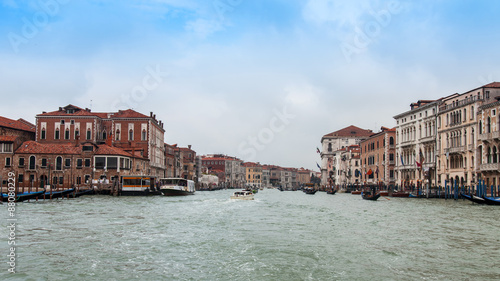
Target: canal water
{"x": 278, "y": 236}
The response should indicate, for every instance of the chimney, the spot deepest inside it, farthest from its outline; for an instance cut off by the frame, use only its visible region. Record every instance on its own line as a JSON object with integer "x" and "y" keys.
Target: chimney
{"x": 60, "y": 108}
{"x": 77, "y": 140}
{"x": 189, "y": 146}
{"x": 151, "y": 114}
{"x": 109, "y": 140}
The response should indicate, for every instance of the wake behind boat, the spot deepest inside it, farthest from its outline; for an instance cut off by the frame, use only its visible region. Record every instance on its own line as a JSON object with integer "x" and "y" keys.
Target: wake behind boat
{"x": 176, "y": 187}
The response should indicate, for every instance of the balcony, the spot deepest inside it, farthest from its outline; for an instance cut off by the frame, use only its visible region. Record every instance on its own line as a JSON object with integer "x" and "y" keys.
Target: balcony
{"x": 428, "y": 139}
{"x": 458, "y": 149}
{"x": 491, "y": 167}
{"x": 407, "y": 143}
{"x": 487, "y": 137}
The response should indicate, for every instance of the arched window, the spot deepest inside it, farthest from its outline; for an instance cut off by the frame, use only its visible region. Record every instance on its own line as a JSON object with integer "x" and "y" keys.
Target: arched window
{"x": 391, "y": 141}
{"x": 488, "y": 125}
{"x": 56, "y": 134}
{"x": 89, "y": 134}
{"x": 117, "y": 134}
{"x": 489, "y": 155}
{"x": 104, "y": 135}
{"x": 480, "y": 126}
{"x": 66, "y": 134}
{"x": 144, "y": 135}
{"x": 59, "y": 163}
{"x": 495, "y": 159}
{"x": 131, "y": 134}
{"x": 43, "y": 134}
{"x": 32, "y": 163}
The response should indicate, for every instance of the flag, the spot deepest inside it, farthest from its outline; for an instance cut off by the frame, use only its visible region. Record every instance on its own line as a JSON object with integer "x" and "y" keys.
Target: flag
{"x": 377, "y": 171}
{"x": 318, "y": 165}
{"x": 370, "y": 172}
{"x": 402, "y": 162}
{"x": 317, "y": 150}
{"x": 422, "y": 159}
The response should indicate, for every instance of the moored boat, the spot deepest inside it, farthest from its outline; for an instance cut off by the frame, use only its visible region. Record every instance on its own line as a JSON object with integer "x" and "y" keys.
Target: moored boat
{"x": 400, "y": 194}
{"x": 56, "y": 194}
{"x": 242, "y": 195}
{"x": 176, "y": 187}
{"x": 356, "y": 192}
{"x": 22, "y": 196}
{"x": 138, "y": 186}
{"x": 473, "y": 198}
{"x": 491, "y": 200}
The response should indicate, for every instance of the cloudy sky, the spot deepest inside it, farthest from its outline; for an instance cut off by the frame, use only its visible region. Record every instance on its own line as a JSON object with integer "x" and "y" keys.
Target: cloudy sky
{"x": 260, "y": 80}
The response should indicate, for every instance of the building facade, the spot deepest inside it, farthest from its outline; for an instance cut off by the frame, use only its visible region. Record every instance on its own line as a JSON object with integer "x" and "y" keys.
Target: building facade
{"x": 378, "y": 158}
{"x": 460, "y": 125}
{"x": 333, "y": 142}
{"x": 416, "y": 144}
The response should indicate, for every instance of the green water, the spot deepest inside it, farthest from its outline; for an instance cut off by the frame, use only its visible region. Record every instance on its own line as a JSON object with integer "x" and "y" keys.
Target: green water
{"x": 278, "y": 236}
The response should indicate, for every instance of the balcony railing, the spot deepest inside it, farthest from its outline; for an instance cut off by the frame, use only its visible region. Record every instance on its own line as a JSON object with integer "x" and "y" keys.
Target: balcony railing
{"x": 489, "y": 167}
{"x": 461, "y": 103}
{"x": 457, "y": 149}
{"x": 489, "y": 136}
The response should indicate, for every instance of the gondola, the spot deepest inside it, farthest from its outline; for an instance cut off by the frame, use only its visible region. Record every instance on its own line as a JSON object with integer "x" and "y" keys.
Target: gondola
{"x": 82, "y": 192}
{"x": 56, "y": 194}
{"x": 473, "y": 198}
{"x": 23, "y": 196}
{"x": 491, "y": 200}
{"x": 331, "y": 191}
{"x": 310, "y": 191}
{"x": 369, "y": 196}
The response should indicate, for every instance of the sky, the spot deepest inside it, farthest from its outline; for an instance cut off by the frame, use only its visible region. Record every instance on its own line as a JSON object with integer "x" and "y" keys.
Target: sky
{"x": 259, "y": 80}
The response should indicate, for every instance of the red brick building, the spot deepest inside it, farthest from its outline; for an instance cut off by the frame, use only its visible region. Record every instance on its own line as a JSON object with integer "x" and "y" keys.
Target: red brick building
{"x": 12, "y": 134}
{"x": 135, "y": 133}
{"x": 378, "y": 156}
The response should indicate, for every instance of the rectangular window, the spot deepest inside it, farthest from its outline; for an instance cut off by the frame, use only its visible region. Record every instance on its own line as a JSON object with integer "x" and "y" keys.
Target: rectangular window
{"x": 87, "y": 148}
{"x": 7, "y": 162}
{"x": 112, "y": 163}
{"x": 7, "y": 147}
{"x": 100, "y": 162}
{"x": 87, "y": 163}
{"x": 43, "y": 135}
{"x": 78, "y": 180}
{"x": 89, "y": 135}
{"x": 20, "y": 178}
{"x": 61, "y": 180}
{"x": 44, "y": 162}
{"x": 67, "y": 162}
{"x": 79, "y": 163}
{"x": 21, "y": 162}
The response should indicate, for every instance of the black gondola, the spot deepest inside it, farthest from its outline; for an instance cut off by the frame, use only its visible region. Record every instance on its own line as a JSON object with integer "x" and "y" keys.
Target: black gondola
{"x": 81, "y": 192}
{"x": 473, "y": 198}
{"x": 331, "y": 191}
{"x": 491, "y": 201}
{"x": 367, "y": 195}
{"x": 309, "y": 191}
{"x": 23, "y": 196}
{"x": 55, "y": 194}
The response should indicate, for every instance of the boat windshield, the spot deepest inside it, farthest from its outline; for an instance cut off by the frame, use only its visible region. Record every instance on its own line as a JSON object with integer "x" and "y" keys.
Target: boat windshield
{"x": 173, "y": 182}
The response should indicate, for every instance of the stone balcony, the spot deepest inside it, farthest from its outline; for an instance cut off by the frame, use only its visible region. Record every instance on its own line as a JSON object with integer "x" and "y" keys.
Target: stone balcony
{"x": 489, "y": 167}
{"x": 489, "y": 136}
{"x": 458, "y": 149}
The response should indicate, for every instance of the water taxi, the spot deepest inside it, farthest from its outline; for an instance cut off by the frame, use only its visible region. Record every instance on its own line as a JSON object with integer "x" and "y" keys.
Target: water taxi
{"x": 242, "y": 195}
{"x": 138, "y": 185}
{"x": 176, "y": 187}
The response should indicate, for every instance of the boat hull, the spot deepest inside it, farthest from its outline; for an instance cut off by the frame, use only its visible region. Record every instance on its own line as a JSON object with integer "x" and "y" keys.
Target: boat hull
{"x": 175, "y": 192}
{"x": 491, "y": 201}
{"x": 370, "y": 197}
{"x": 20, "y": 197}
{"x": 473, "y": 198}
